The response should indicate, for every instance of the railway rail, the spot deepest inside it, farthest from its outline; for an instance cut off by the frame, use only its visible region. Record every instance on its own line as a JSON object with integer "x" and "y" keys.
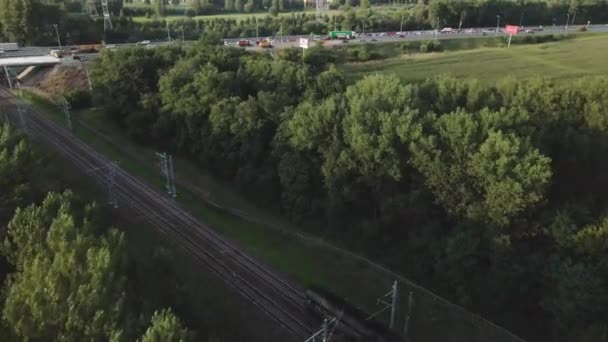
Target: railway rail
{"x": 282, "y": 300}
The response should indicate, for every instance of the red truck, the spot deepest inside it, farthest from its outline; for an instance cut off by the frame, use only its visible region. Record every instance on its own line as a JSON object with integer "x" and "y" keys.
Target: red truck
{"x": 244, "y": 42}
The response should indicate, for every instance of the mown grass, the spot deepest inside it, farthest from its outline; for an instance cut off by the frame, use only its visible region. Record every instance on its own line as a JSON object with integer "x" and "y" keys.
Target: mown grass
{"x": 562, "y": 60}
{"x": 302, "y": 261}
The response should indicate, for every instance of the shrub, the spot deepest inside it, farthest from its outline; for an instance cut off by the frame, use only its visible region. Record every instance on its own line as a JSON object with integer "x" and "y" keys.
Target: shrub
{"x": 78, "y": 99}
{"x": 434, "y": 46}
{"x": 190, "y": 12}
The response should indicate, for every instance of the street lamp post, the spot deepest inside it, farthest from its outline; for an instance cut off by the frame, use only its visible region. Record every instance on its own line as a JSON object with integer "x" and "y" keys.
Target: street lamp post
{"x": 57, "y": 32}
{"x": 567, "y": 21}
{"x": 521, "y": 19}
{"x": 460, "y": 21}
{"x": 497, "y": 22}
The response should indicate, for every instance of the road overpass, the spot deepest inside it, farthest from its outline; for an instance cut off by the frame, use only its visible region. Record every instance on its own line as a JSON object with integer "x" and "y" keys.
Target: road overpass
{"x": 28, "y": 61}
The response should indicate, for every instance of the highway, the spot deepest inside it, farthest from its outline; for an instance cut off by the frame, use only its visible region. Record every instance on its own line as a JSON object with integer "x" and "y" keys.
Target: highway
{"x": 281, "y": 42}
{"x": 386, "y": 37}
{"x": 279, "y": 298}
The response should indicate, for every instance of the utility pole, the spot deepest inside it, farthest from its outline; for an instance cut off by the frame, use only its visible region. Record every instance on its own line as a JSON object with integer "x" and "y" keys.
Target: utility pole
{"x": 324, "y": 334}
{"x": 393, "y": 294}
{"x": 497, "y": 22}
{"x": 57, "y": 32}
{"x": 183, "y": 35}
{"x": 166, "y": 169}
{"x": 257, "y": 35}
{"x": 393, "y": 305}
{"x": 401, "y": 27}
{"x": 410, "y": 304}
{"x": 363, "y": 21}
{"x": 574, "y": 16}
{"x": 65, "y": 107}
{"x": 168, "y": 31}
{"x": 567, "y": 21}
{"x": 107, "y": 20}
{"x": 86, "y": 70}
{"x": 521, "y": 19}
{"x": 461, "y": 20}
{"x": 8, "y": 77}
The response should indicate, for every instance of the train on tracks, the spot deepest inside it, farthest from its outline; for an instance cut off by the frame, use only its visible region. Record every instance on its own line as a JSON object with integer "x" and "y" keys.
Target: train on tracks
{"x": 353, "y": 324}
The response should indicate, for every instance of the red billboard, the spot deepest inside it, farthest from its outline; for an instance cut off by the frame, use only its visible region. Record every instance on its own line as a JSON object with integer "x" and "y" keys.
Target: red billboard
{"x": 512, "y": 29}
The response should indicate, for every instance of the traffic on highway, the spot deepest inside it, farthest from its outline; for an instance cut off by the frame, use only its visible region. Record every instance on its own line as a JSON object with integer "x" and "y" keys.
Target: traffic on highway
{"x": 279, "y": 42}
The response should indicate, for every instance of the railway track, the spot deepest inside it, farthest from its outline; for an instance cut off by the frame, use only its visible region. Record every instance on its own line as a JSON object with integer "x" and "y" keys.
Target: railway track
{"x": 280, "y": 299}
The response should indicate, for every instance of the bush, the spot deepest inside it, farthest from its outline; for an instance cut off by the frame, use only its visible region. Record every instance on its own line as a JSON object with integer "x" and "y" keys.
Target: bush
{"x": 406, "y": 47}
{"x": 434, "y": 46}
{"x": 73, "y": 7}
{"x": 190, "y": 12}
{"x": 249, "y": 7}
{"x": 78, "y": 99}
{"x": 431, "y": 46}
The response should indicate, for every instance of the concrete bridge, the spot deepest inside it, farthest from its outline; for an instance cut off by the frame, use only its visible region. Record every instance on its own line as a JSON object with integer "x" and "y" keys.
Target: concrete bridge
{"x": 28, "y": 61}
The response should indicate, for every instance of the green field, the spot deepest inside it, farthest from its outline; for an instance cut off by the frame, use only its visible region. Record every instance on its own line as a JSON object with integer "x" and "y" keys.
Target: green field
{"x": 562, "y": 60}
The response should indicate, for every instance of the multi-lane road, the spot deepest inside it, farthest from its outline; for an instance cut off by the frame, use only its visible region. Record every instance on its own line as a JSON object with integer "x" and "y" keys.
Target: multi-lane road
{"x": 369, "y": 37}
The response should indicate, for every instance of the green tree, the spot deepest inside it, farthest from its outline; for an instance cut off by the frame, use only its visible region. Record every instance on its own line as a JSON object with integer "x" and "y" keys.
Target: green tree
{"x": 239, "y": 4}
{"x": 229, "y": 5}
{"x": 166, "y": 327}
{"x": 69, "y": 284}
{"x": 160, "y": 8}
{"x": 485, "y": 176}
{"x": 16, "y": 161}
{"x": 364, "y": 3}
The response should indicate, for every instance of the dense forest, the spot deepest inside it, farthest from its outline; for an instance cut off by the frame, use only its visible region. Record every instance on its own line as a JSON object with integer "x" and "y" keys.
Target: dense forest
{"x": 31, "y": 21}
{"x": 65, "y": 277}
{"x": 491, "y": 196}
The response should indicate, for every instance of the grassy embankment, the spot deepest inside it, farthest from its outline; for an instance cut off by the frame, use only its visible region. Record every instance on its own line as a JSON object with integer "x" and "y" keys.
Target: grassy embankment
{"x": 563, "y": 60}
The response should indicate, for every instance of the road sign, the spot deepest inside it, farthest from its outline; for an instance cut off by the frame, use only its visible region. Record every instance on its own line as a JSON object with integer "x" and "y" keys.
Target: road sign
{"x": 304, "y": 43}
{"x": 512, "y": 29}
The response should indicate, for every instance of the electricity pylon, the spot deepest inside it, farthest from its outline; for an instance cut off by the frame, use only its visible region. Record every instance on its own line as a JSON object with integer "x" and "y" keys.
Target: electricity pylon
{"x": 107, "y": 20}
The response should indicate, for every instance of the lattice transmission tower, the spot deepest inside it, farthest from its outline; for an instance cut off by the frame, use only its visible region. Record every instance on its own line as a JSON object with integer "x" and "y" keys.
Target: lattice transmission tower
{"x": 92, "y": 9}
{"x": 107, "y": 21}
